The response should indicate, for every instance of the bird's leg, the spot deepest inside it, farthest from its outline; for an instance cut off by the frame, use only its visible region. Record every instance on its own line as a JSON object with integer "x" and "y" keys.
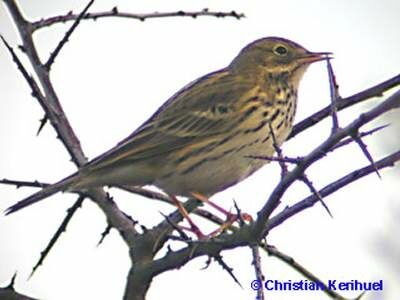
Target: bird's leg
{"x": 230, "y": 217}
{"x": 193, "y": 227}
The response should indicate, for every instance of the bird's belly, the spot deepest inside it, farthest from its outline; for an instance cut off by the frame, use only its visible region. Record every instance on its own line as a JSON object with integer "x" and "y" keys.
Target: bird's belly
{"x": 221, "y": 170}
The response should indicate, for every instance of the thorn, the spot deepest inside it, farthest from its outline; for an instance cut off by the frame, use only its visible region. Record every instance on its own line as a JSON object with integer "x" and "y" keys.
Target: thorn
{"x": 335, "y": 96}
{"x": 106, "y": 231}
{"x": 291, "y": 160}
{"x": 11, "y": 285}
{"x": 62, "y": 228}
{"x": 22, "y": 48}
{"x": 361, "y": 135}
{"x": 143, "y": 228}
{"x": 364, "y": 149}
{"x": 207, "y": 264}
{"x": 239, "y": 214}
{"x": 221, "y": 262}
{"x": 278, "y": 150}
{"x": 43, "y": 122}
{"x": 181, "y": 233}
{"x": 310, "y": 185}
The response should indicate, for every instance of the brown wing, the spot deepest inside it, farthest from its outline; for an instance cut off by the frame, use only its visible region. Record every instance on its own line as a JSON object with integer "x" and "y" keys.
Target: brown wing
{"x": 199, "y": 110}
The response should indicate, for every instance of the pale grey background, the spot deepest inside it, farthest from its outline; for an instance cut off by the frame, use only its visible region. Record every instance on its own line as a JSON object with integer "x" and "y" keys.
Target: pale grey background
{"x": 114, "y": 73}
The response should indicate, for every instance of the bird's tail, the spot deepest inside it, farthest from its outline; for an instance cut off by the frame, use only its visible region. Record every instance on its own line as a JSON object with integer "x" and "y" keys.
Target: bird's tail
{"x": 62, "y": 185}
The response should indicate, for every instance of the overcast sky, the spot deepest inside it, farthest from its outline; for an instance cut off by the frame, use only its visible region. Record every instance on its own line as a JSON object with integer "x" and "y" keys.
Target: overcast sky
{"x": 114, "y": 73}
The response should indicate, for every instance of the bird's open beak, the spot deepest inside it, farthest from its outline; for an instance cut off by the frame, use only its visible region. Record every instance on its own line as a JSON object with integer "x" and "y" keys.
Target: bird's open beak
{"x": 312, "y": 57}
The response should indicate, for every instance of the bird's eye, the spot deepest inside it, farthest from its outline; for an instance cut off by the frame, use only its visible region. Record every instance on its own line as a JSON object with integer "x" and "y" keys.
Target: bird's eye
{"x": 280, "y": 50}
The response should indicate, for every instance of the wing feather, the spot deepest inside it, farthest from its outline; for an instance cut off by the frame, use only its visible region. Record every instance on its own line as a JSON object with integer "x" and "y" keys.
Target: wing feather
{"x": 199, "y": 110}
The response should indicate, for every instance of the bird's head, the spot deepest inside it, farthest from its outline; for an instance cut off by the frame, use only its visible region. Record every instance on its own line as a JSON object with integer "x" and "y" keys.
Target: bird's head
{"x": 276, "y": 55}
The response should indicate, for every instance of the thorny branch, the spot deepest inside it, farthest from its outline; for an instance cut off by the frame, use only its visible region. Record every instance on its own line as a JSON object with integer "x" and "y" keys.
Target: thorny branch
{"x": 258, "y": 269}
{"x": 375, "y": 91}
{"x": 393, "y": 102}
{"x": 114, "y": 12}
{"x": 56, "y": 51}
{"x": 271, "y": 250}
{"x": 335, "y": 96}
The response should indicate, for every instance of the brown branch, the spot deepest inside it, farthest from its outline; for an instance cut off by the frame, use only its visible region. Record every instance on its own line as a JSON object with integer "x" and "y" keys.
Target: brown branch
{"x": 218, "y": 258}
{"x": 335, "y": 96}
{"x": 343, "y": 103}
{"x": 296, "y": 160}
{"x": 284, "y": 159}
{"x": 67, "y": 35}
{"x": 392, "y": 102}
{"x": 57, "y": 117}
{"x": 105, "y": 232}
{"x": 43, "y": 122}
{"x": 138, "y": 16}
{"x": 36, "y": 92}
{"x": 132, "y": 189}
{"x": 364, "y": 149}
{"x": 288, "y": 212}
{"x": 245, "y": 235}
{"x": 271, "y": 250}
{"x": 62, "y": 228}
{"x": 50, "y": 104}
{"x": 255, "y": 251}
{"x": 315, "y": 192}
{"x": 278, "y": 151}
{"x": 19, "y": 183}
{"x": 9, "y": 292}
{"x": 361, "y": 135}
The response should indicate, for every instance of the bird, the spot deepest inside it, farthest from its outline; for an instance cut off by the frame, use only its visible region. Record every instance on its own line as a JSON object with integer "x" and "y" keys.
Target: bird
{"x": 201, "y": 140}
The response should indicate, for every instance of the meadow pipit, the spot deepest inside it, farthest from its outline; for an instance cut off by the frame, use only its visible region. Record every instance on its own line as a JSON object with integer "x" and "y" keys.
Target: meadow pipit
{"x": 199, "y": 142}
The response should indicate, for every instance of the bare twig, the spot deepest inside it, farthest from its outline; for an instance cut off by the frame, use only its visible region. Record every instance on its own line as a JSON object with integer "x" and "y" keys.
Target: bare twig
{"x": 70, "y": 213}
{"x": 250, "y": 233}
{"x": 278, "y": 151}
{"x": 67, "y": 35}
{"x": 136, "y": 190}
{"x": 246, "y": 234}
{"x": 114, "y": 12}
{"x": 284, "y": 159}
{"x": 19, "y": 183}
{"x": 258, "y": 270}
{"x": 9, "y": 293}
{"x": 308, "y": 202}
{"x": 105, "y": 232}
{"x": 183, "y": 236}
{"x": 271, "y": 250}
{"x": 361, "y": 135}
{"x": 364, "y": 149}
{"x": 12, "y": 282}
{"x": 335, "y": 96}
{"x": 28, "y": 78}
{"x": 228, "y": 269}
{"x": 315, "y": 192}
{"x": 49, "y": 101}
{"x": 392, "y": 102}
{"x": 343, "y": 103}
